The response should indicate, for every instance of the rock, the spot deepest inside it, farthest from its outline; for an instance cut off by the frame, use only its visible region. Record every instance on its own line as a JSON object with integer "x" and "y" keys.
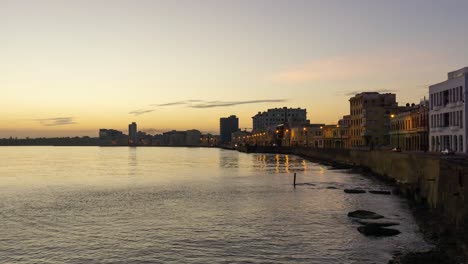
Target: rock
{"x": 363, "y": 214}
{"x": 376, "y": 222}
{"x": 381, "y": 192}
{"x": 377, "y": 231}
{"x": 332, "y": 187}
{"x": 354, "y": 191}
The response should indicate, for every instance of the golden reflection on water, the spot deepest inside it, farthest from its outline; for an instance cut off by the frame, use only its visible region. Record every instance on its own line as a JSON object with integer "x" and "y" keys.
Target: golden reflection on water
{"x": 202, "y": 205}
{"x": 277, "y": 168}
{"x": 321, "y": 170}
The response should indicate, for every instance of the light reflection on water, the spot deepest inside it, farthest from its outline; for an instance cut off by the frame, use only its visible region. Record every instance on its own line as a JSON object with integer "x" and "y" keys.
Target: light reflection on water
{"x": 185, "y": 205}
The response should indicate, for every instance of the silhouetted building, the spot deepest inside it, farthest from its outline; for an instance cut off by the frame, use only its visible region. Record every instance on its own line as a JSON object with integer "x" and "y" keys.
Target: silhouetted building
{"x": 192, "y": 138}
{"x": 174, "y": 138}
{"x": 227, "y": 126}
{"x": 132, "y": 134}
{"x": 112, "y": 137}
{"x": 109, "y": 134}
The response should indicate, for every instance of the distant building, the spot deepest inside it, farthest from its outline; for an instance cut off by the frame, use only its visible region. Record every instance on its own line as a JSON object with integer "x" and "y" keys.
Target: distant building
{"x": 269, "y": 120}
{"x": 448, "y": 117}
{"x": 410, "y": 127}
{"x": 240, "y": 138}
{"x": 227, "y": 126}
{"x": 344, "y": 127}
{"x": 109, "y": 134}
{"x": 208, "y": 140}
{"x": 370, "y": 119}
{"x": 315, "y": 135}
{"x": 192, "y": 138}
{"x": 112, "y": 137}
{"x": 174, "y": 138}
{"x": 132, "y": 134}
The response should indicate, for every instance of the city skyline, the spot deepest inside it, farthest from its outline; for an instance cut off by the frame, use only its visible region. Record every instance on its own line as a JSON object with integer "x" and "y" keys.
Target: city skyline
{"x": 72, "y": 68}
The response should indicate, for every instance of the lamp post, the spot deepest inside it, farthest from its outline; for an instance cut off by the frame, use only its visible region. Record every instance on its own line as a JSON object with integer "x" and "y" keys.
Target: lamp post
{"x": 321, "y": 135}
{"x": 307, "y": 138}
{"x": 397, "y": 127}
{"x": 341, "y": 136}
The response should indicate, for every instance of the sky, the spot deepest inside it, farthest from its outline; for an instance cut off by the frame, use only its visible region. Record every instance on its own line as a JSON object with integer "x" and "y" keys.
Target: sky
{"x": 68, "y": 68}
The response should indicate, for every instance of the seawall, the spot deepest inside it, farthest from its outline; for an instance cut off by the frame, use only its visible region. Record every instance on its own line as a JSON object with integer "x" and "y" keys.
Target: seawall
{"x": 440, "y": 183}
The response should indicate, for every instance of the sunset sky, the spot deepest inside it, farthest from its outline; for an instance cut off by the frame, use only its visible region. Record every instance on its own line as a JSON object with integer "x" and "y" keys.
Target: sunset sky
{"x": 71, "y": 67}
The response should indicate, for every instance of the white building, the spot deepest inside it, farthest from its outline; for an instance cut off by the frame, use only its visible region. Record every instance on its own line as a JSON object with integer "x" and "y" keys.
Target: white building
{"x": 448, "y": 121}
{"x": 264, "y": 121}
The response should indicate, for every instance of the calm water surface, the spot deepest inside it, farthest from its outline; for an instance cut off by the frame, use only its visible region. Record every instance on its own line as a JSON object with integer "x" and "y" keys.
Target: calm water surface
{"x": 185, "y": 205}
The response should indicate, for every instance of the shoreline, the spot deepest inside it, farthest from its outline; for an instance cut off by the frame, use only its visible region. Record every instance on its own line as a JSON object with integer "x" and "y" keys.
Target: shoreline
{"x": 447, "y": 248}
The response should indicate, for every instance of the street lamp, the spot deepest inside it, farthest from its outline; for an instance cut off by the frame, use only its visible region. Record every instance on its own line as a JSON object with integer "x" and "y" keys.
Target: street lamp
{"x": 341, "y": 135}
{"x": 397, "y": 127}
{"x": 307, "y": 138}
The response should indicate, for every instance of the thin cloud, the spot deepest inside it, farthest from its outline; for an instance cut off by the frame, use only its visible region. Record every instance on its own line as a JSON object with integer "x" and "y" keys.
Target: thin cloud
{"x": 171, "y": 104}
{"x": 227, "y": 104}
{"x": 56, "y": 121}
{"x": 378, "y": 91}
{"x": 205, "y": 104}
{"x": 358, "y": 66}
{"x": 141, "y": 112}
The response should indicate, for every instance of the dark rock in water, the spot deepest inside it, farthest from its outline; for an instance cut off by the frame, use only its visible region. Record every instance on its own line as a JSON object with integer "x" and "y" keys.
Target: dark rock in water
{"x": 354, "y": 191}
{"x": 377, "y": 222}
{"x": 381, "y": 192}
{"x": 373, "y": 230}
{"x": 363, "y": 214}
{"x": 332, "y": 187}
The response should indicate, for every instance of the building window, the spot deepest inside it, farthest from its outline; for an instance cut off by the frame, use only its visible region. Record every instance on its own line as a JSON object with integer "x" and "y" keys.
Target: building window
{"x": 461, "y": 119}
{"x": 461, "y": 143}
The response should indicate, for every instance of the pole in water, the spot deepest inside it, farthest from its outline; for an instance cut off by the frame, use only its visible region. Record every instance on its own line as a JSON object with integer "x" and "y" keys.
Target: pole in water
{"x": 294, "y": 179}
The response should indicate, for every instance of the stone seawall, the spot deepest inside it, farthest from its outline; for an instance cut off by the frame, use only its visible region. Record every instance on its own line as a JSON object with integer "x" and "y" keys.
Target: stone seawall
{"x": 440, "y": 183}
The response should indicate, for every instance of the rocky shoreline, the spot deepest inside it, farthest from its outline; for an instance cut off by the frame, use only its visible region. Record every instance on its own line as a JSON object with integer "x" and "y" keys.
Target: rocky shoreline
{"x": 447, "y": 250}
{"x": 448, "y": 246}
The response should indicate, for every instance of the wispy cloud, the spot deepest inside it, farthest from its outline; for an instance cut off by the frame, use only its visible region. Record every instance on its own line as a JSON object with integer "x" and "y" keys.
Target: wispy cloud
{"x": 204, "y": 104}
{"x": 56, "y": 121}
{"x": 358, "y": 66}
{"x": 141, "y": 112}
{"x": 378, "y": 91}
{"x": 225, "y": 104}
{"x": 171, "y": 104}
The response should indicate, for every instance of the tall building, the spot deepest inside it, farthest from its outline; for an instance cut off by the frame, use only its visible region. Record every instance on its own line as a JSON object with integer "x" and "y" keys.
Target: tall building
{"x": 447, "y": 113}
{"x": 370, "y": 119}
{"x": 227, "y": 126}
{"x": 132, "y": 134}
{"x": 269, "y": 120}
